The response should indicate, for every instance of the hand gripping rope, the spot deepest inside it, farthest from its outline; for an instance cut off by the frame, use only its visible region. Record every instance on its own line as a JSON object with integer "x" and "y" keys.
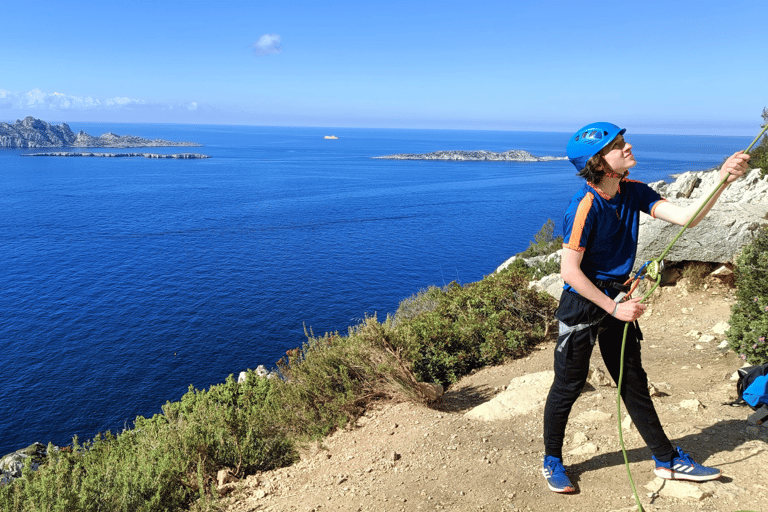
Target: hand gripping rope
{"x": 653, "y": 269}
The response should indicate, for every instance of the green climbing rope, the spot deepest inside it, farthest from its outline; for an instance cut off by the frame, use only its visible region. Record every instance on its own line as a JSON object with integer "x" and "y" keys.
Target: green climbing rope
{"x": 653, "y": 271}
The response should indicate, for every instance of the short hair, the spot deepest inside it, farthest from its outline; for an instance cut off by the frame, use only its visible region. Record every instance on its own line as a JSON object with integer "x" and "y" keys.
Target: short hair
{"x": 594, "y": 171}
{"x": 596, "y": 167}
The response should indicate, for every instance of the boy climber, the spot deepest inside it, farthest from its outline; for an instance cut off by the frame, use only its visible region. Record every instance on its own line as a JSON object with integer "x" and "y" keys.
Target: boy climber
{"x": 601, "y": 227}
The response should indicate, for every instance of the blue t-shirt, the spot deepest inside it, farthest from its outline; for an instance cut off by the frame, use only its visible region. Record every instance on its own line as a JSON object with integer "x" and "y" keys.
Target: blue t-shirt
{"x": 606, "y": 229}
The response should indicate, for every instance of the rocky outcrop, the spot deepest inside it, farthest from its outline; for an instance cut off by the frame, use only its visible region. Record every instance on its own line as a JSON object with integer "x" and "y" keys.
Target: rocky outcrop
{"x": 728, "y": 227}
{"x": 513, "y": 155}
{"x": 34, "y": 133}
{"x": 110, "y": 140}
{"x": 12, "y": 464}
{"x": 178, "y": 156}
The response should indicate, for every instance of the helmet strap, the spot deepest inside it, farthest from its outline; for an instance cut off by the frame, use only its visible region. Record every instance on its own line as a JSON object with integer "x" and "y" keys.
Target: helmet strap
{"x": 609, "y": 172}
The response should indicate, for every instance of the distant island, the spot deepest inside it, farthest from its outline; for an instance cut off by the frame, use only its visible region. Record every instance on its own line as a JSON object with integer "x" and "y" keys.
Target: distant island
{"x": 178, "y": 156}
{"x": 35, "y": 133}
{"x": 513, "y": 155}
{"x": 331, "y": 137}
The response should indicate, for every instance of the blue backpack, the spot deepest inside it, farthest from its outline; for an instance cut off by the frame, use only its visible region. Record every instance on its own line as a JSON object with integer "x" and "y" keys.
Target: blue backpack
{"x": 752, "y": 386}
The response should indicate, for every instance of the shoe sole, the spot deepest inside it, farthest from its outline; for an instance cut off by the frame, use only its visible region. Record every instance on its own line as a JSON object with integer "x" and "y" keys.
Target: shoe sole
{"x": 562, "y": 491}
{"x": 565, "y": 489}
{"x": 668, "y": 474}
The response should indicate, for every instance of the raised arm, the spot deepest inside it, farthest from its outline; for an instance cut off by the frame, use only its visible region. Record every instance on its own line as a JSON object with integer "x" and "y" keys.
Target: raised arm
{"x": 735, "y": 166}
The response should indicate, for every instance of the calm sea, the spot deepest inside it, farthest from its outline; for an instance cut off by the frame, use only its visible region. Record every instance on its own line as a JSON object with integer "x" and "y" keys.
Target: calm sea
{"x": 123, "y": 281}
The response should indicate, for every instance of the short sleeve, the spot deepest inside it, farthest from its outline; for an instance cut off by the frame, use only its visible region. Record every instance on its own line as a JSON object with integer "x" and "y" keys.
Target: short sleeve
{"x": 577, "y": 225}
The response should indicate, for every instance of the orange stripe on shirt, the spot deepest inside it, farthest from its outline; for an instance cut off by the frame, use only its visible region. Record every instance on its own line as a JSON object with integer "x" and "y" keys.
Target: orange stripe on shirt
{"x": 653, "y": 210}
{"x": 578, "y": 222}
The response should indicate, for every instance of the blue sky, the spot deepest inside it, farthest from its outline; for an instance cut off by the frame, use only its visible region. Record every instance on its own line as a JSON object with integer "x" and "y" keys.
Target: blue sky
{"x": 656, "y": 67}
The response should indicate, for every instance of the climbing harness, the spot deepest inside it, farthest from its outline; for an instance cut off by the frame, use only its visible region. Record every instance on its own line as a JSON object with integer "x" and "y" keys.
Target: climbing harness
{"x": 653, "y": 269}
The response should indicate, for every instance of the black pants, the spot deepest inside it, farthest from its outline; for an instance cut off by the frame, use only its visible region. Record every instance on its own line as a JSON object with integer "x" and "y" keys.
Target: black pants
{"x": 581, "y": 322}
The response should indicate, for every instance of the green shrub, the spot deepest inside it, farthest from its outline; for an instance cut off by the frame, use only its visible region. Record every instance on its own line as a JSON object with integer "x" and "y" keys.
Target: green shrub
{"x": 166, "y": 462}
{"x": 424, "y": 301}
{"x": 759, "y": 154}
{"x": 759, "y": 157}
{"x": 749, "y": 316}
{"x": 479, "y": 324}
{"x": 544, "y": 242}
{"x": 332, "y": 378}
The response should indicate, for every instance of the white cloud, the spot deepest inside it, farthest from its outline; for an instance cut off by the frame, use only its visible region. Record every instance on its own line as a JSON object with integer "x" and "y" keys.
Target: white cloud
{"x": 268, "y": 44}
{"x": 40, "y": 100}
{"x": 37, "y": 102}
{"x": 37, "y": 99}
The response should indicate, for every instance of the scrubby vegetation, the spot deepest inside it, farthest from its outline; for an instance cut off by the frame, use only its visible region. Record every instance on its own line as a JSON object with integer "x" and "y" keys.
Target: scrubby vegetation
{"x": 473, "y": 326}
{"x": 749, "y": 316}
{"x": 759, "y": 154}
{"x": 544, "y": 242}
{"x": 169, "y": 462}
{"x": 695, "y": 274}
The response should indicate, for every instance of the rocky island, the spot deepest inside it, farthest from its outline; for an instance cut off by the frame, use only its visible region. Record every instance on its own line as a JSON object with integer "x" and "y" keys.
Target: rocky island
{"x": 35, "y": 133}
{"x": 513, "y": 155}
{"x": 177, "y": 156}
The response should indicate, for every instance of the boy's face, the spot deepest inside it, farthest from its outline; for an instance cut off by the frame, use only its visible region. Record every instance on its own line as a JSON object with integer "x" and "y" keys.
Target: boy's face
{"x": 619, "y": 155}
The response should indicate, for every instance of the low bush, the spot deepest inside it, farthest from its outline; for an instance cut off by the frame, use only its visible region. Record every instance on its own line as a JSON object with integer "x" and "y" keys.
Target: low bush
{"x": 695, "y": 275}
{"x": 471, "y": 326}
{"x": 759, "y": 157}
{"x": 749, "y": 316}
{"x": 165, "y": 462}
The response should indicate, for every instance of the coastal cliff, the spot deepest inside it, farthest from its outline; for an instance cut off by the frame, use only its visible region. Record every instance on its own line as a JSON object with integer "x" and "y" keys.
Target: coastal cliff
{"x": 35, "y": 133}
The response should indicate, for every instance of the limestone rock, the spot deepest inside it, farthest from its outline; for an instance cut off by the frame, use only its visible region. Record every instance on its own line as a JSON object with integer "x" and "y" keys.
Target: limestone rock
{"x": 175, "y": 156}
{"x": 579, "y": 438}
{"x": 597, "y": 378}
{"x": 677, "y": 489}
{"x": 551, "y": 284}
{"x": 721, "y": 327}
{"x": 513, "y": 155}
{"x": 653, "y": 390}
{"x": 593, "y": 416}
{"x": 523, "y": 395}
{"x": 35, "y": 133}
{"x": 584, "y": 449}
{"x": 225, "y": 476}
{"x": 728, "y": 227}
{"x": 431, "y": 392}
{"x": 692, "y": 404}
{"x": 11, "y": 465}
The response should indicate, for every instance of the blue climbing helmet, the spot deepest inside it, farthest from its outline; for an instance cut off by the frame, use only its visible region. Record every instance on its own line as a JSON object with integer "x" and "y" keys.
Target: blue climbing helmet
{"x": 587, "y": 142}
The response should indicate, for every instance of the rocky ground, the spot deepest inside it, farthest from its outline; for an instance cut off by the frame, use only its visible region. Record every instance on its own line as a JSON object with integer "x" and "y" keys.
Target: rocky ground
{"x": 406, "y": 457}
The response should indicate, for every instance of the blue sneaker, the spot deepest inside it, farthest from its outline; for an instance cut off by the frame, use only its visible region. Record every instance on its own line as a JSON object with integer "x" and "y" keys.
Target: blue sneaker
{"x": 554, "y": 472}
{"x": 683, "y": 467}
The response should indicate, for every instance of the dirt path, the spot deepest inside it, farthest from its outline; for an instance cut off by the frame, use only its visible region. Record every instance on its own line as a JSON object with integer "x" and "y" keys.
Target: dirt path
{"x": 404, "y": 457}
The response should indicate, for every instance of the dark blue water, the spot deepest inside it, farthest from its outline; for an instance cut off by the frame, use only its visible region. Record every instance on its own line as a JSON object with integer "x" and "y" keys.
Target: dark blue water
{"x": 123, "y": 281}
